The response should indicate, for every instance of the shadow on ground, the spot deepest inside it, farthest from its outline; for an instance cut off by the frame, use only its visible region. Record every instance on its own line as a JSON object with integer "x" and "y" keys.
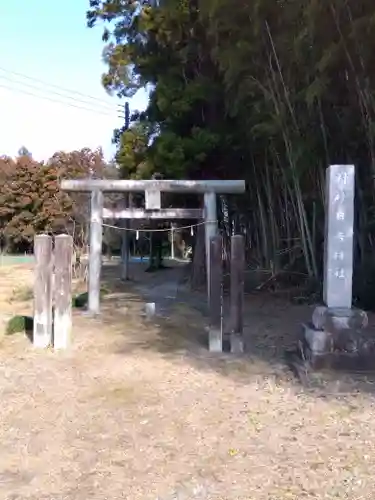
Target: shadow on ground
{"x": 271, "y": 326}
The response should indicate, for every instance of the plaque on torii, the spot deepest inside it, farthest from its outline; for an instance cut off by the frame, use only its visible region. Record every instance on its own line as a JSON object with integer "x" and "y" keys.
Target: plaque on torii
{"x": 152, "y": 199}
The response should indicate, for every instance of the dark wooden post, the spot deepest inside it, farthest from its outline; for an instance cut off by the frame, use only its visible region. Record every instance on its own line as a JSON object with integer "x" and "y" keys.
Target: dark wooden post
{"x": 125, "y": 249}
{"x": 42, "y": 332}
{"x": 215, "y": 340}
{"x": 95, "y": 255}
{"x": 63, "y": 291}
{"x": 237, "y": 275}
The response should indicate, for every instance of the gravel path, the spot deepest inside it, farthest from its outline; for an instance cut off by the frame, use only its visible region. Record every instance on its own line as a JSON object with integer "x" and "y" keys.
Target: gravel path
{"x": 139, "y": 410}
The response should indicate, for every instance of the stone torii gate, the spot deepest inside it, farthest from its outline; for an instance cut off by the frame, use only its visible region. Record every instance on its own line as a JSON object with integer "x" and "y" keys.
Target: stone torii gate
{"x": 153, "y": 210}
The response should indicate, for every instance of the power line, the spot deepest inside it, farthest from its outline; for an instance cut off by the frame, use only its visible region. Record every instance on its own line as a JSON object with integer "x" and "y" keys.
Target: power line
{"x": 58, "y": 87}
{"x": 22, "y": 91}
{"x": 59, "y": 94}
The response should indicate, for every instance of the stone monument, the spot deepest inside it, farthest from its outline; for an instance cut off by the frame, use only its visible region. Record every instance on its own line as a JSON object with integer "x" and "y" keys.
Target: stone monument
{"x": 336, "y": 337}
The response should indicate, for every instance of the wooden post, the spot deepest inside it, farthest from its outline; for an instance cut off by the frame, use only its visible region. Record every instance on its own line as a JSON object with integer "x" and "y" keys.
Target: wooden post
{"x": 210, "y": 231}
{"x": 150, "y": 258}
{"x": 125, "y": 245}
{"x": 42, "y": 331}
{"x": 125, "y": 251}
{"x": 63, "y": 291}
{"x": 172, "y": 241}
{"x": 95, "y": 255}
{"x": 237, "y": 270}
{"x": 215, "y": 340}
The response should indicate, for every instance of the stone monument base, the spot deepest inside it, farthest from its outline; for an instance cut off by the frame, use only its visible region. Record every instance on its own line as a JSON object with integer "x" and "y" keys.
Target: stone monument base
{"x": 343, "y": 361}
{"x": 349, "y": 349}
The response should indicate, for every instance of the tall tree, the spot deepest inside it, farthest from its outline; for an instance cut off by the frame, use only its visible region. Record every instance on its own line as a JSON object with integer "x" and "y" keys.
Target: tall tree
{"x": 164, "y": 46}
{"x": 31, "y": 200}
{"x": 269, "y": 91}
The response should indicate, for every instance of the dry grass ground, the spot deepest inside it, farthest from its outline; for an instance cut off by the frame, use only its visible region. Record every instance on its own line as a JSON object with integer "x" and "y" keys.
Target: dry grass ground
{"x": 140, "y": 410}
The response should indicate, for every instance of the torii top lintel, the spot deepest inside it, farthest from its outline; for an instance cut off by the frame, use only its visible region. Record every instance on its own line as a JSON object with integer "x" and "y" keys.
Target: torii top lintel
{"x": 177, "y": 186}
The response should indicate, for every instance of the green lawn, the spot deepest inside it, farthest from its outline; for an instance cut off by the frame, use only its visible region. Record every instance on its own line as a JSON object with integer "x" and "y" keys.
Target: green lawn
{"x": 8, "y": 260}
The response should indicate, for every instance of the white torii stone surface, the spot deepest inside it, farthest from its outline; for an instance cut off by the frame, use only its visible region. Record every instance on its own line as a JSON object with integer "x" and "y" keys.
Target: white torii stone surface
{"x": 98, "y": 186}
{"x": 177, "y": 186}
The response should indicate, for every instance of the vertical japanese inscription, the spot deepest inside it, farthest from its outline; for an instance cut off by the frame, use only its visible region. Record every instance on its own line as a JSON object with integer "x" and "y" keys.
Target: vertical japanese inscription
{"x": 338, "y": 258}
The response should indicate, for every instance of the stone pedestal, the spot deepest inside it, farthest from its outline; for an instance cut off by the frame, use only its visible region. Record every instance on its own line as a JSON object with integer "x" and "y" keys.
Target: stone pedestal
{"x": 236, "y": 344}
{"x": 338, "y": 338}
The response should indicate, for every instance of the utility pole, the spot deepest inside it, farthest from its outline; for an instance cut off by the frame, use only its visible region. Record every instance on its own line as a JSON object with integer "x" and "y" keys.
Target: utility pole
{"x": 125, "y": 233}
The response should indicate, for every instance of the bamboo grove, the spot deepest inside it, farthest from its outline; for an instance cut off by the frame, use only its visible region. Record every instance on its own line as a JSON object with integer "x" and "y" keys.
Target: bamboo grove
{"x": 269, "y": 90}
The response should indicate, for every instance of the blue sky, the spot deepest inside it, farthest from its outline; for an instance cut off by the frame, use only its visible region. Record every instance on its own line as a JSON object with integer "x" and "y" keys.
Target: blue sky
{"x": 49, "y": 41}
